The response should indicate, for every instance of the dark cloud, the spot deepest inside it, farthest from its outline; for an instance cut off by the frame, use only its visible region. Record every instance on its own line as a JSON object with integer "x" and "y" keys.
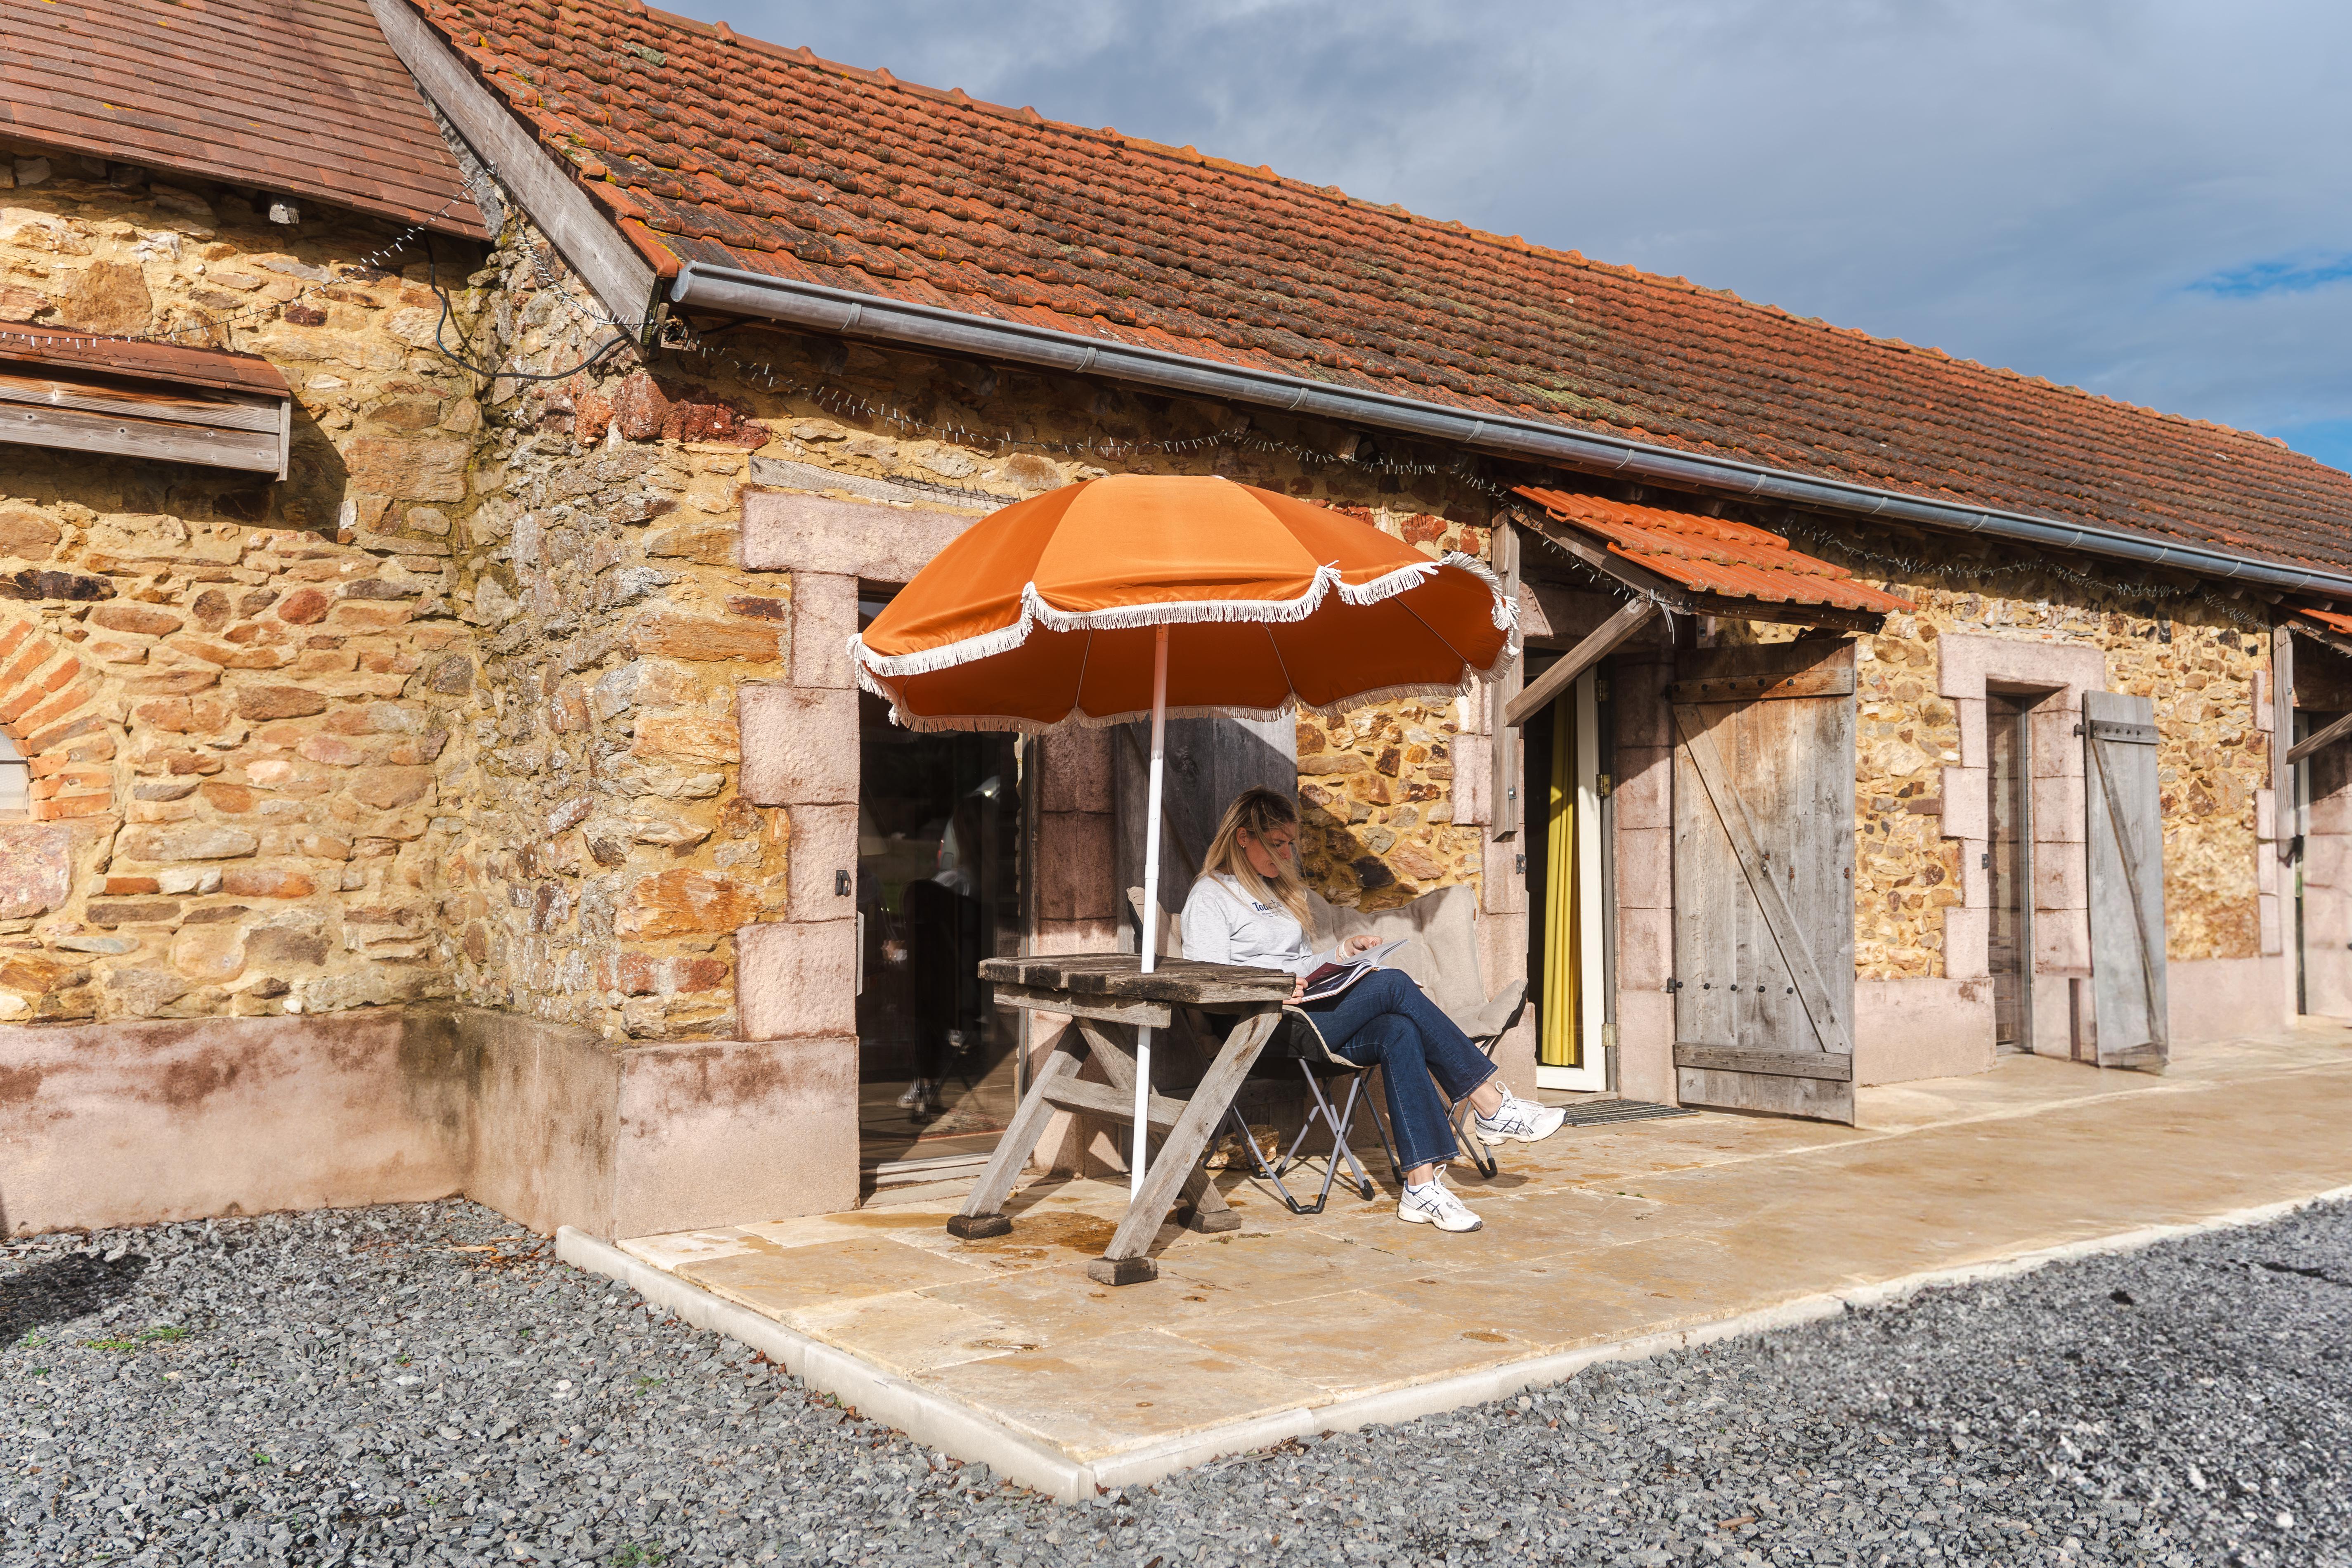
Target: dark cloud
{"x": 2147, "y": 198}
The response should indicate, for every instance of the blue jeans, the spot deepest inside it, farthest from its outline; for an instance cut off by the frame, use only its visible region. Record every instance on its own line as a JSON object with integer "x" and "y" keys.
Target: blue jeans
{"x": 1384, "y": 1020}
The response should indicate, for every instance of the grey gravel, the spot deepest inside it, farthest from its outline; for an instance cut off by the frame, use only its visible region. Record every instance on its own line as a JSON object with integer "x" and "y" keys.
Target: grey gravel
{"x": 424, "y": 1383}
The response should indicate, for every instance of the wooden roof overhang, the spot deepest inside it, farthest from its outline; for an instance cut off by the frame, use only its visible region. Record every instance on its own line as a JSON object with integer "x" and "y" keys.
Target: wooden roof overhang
{"x": 2330, "y": 630}
{"x": 1686, "y": 563}
{"x": 121, "y": 398}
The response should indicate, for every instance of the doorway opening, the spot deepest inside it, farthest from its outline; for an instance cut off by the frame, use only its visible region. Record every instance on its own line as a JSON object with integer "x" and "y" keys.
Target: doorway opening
{"x": 2009, "y": 869}
{"x": 1567, "y": 943}
{"x": 939, "y": 880}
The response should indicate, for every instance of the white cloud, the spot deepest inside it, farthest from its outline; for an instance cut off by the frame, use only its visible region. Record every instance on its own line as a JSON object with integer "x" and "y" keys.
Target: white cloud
{"x": 2031, "y": 182}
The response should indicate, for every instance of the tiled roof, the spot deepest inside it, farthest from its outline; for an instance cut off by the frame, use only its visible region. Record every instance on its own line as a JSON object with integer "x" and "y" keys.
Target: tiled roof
{"x": 1714, "y": 554}
{"x": 59, "y": 349}
{"x": 739, "y": 154}
{"x": 301, "y": 97}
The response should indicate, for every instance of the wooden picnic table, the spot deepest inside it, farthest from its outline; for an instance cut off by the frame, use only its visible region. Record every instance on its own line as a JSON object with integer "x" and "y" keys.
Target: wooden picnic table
{"x": 1107, "y": 995}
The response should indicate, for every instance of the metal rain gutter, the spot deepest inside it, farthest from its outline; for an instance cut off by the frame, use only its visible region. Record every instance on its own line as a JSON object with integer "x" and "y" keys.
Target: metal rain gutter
{"x": 872, "y": 317}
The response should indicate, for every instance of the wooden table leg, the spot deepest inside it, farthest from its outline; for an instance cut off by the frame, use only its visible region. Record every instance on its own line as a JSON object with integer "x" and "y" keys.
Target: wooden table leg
{"x": 1209, "y": 1213}
{"x": 982, "y": 1213}
{"x": 1124, "y": 1261}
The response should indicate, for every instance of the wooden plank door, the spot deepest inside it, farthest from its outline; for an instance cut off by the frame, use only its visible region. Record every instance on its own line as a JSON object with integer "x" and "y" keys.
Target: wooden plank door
{"x": 1764, "y": 826}
{"x": 2325, "y": 894}
{"x": 2126, "y": 867}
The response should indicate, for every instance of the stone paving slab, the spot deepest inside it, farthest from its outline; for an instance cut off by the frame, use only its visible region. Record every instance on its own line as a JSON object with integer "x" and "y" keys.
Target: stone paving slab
{"x": 1601, "y": 1241}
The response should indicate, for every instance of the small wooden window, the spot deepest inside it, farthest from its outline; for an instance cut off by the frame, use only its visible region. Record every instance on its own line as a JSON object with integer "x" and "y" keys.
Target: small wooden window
{"x": 120, "y": 398}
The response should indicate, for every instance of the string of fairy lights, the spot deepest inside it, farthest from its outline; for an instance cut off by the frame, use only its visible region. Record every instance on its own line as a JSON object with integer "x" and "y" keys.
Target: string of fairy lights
{"x": 374, "y": 261}
{"x": 1914, "y": 568}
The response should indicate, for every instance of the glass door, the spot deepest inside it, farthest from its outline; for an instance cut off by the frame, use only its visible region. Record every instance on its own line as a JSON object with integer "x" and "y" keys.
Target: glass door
{"x": 939, "y": 890}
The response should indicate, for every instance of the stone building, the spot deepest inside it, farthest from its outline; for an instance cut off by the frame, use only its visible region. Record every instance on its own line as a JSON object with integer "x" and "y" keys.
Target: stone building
{"x": 427, "y": 558}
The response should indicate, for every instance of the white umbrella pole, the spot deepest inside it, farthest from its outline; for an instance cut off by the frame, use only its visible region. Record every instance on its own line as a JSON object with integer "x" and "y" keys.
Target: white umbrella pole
{"x": 1151, "y": 910}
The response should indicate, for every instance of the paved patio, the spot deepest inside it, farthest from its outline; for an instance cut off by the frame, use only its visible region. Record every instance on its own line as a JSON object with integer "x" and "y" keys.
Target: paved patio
{"x": 1597, "y": 1243}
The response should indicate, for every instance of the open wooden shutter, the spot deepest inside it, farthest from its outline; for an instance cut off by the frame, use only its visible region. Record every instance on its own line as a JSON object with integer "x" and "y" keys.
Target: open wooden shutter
{"x": 1764, "y": 814}
{"x": 2324, "y": 795}
{"x": 2126, "y": 881}
{"x": 1208, "y": 761}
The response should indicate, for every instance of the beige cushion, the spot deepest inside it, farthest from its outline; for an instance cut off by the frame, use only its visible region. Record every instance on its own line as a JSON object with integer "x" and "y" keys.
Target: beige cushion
{"x": 1442, "y": 954}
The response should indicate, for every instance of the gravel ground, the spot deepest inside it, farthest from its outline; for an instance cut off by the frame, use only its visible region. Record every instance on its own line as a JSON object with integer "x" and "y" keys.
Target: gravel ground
{"x": 424, "y": 1383}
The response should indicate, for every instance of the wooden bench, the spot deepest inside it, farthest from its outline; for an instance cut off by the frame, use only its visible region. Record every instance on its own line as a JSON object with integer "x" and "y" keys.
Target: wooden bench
{"x": 1107, "y": 995}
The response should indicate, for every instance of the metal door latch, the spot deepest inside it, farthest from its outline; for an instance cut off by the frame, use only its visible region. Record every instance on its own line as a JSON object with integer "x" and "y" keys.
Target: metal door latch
{"x": 841, "y": 886}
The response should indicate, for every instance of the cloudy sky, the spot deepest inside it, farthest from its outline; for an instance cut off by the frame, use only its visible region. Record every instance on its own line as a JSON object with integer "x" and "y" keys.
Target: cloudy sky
{"x": 2148, "y": 198}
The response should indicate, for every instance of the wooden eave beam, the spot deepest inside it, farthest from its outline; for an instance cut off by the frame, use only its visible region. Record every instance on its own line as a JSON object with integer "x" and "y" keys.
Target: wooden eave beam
{"x": 606, "y": 260}
{"x": 1595, "y": 647}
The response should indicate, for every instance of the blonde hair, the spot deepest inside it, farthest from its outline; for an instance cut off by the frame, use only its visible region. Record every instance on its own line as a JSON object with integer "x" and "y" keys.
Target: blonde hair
{"x": 1260, "y": 810}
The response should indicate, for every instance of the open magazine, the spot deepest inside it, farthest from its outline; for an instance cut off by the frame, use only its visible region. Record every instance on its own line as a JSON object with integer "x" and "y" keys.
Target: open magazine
{"x": 1331, "y": 979}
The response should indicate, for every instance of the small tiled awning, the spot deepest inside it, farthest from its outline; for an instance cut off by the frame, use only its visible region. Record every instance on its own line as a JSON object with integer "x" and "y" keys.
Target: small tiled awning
{"x": 119, "y": 397}
{"x": 1710, "y": 566}
{"x": 2335, "y": 631}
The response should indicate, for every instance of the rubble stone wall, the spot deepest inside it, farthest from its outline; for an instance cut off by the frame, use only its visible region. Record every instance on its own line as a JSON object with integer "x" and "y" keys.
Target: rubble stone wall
{"x": 2203, "y": 656}
{"x": 608, "y": 853}
{"x": 241, "y": 698}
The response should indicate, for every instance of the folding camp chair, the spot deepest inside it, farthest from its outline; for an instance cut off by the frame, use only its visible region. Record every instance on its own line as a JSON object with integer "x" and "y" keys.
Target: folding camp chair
{"x": 1441, "y": 953}
{"x": 1340, "y": 1119}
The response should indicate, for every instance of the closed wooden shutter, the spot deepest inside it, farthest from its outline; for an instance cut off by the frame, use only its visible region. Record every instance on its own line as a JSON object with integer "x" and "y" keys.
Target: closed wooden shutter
{"x": 2125, "y": 856}
{"x": 1764, "y": 826}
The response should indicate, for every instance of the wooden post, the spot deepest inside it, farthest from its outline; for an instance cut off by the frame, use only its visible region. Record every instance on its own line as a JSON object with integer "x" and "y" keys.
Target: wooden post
{"x": 2282, "y": 738}
{"x": 1503, "y": 802}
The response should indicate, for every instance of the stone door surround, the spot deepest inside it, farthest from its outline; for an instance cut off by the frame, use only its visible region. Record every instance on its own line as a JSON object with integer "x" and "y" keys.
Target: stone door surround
{"x": 797, "y": 976}
{"x": 2061, "y": 672}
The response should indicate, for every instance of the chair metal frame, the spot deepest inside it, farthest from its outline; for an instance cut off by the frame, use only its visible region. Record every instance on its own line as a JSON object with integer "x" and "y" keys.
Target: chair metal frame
{"x": 1340, "y": 1121}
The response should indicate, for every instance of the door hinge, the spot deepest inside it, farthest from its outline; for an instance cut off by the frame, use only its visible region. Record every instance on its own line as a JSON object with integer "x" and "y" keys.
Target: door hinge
{"x": 1520, "y": 863}
{"x": 1984, "y": 861}
{"x": 1674, "y": 985}
{"x": 841, "y": 886}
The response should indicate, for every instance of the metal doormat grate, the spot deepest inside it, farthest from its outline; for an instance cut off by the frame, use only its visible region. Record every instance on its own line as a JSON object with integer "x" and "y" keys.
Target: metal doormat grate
{"x": 1601, "y": 1112}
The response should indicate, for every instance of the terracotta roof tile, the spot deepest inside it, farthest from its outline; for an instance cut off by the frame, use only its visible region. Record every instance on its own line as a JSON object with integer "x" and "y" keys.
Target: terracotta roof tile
{"x": 303, "y": 98}
{"x": 1714, "y": 554}
{"x": 745, "y": 154}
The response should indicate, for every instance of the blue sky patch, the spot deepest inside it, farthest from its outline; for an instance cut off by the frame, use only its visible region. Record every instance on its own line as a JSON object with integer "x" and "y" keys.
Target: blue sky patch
{"x": 2329, "y": 440}
{"x": 2275, "y": 276}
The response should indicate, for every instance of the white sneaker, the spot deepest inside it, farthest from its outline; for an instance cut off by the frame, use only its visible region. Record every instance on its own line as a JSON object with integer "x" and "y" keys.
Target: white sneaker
{"x": 1517, "y": 1119}
{"x": 917, "y": 1092}
{"x": 1434, "y": 1205}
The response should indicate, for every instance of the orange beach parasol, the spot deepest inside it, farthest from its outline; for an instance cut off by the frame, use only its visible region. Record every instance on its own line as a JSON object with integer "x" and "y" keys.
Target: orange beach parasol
{"x": 1143, "y": 594}
{"x": 1049, "y": 612}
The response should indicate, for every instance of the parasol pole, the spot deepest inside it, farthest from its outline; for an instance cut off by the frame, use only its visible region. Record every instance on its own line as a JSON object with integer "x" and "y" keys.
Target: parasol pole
{"x": 1151, "y": 910}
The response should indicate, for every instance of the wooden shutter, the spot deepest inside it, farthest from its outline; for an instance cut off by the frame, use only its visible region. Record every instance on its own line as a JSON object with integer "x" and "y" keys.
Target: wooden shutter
{"x": 1208, "y": 761}
{"x": 2324, "y": 793}
{"x": 2127, "y": 880}
{"x": 1764, "y": 826}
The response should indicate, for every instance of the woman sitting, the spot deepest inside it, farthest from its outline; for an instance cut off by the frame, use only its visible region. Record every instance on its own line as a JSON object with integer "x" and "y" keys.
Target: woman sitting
{"x": 1249, "y": 907}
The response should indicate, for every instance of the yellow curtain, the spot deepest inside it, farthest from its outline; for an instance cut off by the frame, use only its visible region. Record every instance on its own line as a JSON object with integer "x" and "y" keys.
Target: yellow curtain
{"x": 1557, "y": 1048}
